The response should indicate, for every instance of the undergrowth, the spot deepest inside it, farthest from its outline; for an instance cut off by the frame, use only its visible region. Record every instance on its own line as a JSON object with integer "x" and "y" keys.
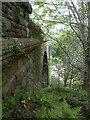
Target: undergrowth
{"x": 45, "y": 103}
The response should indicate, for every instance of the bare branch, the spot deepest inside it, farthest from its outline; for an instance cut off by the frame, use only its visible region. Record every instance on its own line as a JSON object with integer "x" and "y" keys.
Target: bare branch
{"x": 79, "y": 24}
{"x": 76, "y": 11}
{"x": 75, "y": 17}
{"x": 55, "y": 39}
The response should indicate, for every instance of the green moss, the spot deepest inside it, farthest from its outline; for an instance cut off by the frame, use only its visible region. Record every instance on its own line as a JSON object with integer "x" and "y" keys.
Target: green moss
{"x": 35, "y": 30}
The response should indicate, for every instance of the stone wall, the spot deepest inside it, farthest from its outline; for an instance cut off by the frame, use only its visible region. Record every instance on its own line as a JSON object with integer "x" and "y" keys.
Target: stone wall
{"x": 21, "y": 48}
{"x": 15, "y": 19}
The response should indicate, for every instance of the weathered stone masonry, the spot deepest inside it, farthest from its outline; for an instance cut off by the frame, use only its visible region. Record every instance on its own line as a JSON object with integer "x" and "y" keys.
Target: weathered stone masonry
{"x": 21, "y": 48}
{"x": 15, "y": 19}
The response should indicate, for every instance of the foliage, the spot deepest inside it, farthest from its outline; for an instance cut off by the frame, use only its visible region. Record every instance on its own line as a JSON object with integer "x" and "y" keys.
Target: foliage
{"x": 71, "y": 45}
{"x": 58, "y": 109}
{"x": 67, "y": 54}
{"x": 13, "y": 101}
{"x": 55, "y": 82}
{"x": 45, "y": 103}
{"x": 69, "y": 113}
{"x": 68, "y": 92}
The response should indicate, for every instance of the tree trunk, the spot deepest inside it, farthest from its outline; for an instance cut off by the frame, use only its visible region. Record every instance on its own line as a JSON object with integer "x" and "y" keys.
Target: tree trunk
{"x": 87, "y": 55}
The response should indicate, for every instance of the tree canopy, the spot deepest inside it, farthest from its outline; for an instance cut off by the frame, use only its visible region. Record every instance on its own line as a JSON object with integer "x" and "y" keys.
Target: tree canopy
{"x": 66, "y": 25}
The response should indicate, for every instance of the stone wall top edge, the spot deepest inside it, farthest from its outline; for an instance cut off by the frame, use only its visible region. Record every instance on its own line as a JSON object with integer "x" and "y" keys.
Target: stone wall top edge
{"x": 20, "y": 38}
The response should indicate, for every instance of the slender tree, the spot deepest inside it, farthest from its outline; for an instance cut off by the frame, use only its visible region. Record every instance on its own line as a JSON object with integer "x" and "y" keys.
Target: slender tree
{"x": 87, "y": 53}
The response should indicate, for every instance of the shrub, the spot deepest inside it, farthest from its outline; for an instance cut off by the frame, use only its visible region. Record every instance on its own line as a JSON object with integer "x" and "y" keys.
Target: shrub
{"x": 69, "y": 112}
{"x": 13, "y": 101}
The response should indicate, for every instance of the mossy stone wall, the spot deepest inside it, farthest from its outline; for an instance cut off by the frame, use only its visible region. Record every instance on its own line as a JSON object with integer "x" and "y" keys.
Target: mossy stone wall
{"x": 21, "y": 51}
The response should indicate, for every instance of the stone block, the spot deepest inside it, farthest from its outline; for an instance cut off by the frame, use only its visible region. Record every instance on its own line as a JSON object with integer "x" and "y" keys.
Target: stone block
{"x": 13, "y": 29}
{"x": 6, "y": 24}
{"x": 6, "y": 15}
{"x": 9, "y": 86}
{"x": 16, "y": 18}
{"x": 7, "y": 4}
{"x": 15, "y": 25}
{"x": 22, "y": 27}
{"x": 23, "y": 22}
{"x": 18, "y": 32}
{"x": 21, "y": 14}
{"x": 12, "y": 87}
{"x": 10, "y": 71}
{"x": 4, "y": 8}
{"x": 13, "y": 4}
{"x": 24, "y": 33}
{"x": 9, "y": 34}
{"x": 19, "y": 78}
{"x": 10, "y": 12}
{"x": 26, "y": 16}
